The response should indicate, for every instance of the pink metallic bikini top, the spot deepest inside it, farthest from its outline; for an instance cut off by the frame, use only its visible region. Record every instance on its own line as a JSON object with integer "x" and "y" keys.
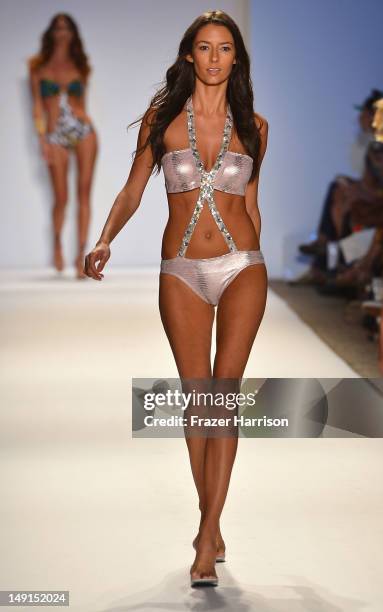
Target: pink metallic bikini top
{"x": 182, "y": 174}
{"x": 184, "y": 169}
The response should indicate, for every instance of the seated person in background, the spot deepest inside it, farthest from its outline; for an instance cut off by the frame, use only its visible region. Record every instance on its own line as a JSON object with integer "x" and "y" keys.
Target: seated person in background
{"x": 345, "y": 209}
{"x": 364, "y": 203}
{"x": 363, "y": 269}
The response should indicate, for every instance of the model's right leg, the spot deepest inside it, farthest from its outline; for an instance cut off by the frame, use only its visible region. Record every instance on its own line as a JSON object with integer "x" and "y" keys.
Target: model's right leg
{"x": 188, "y": 322}
{"x": 86, "y": 153}
{"x": 58, "y": 170}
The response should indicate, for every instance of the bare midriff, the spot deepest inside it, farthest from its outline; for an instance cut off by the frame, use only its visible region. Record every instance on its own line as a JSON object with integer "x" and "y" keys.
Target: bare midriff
{"x": 207, "y": 240}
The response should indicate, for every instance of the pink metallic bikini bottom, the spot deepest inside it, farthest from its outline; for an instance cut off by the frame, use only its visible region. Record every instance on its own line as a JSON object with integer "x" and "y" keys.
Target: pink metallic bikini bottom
{"x": 209, "y": 277}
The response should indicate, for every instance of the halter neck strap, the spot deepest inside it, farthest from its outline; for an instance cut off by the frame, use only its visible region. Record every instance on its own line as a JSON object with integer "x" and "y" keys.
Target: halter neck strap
{"x": 193, "y": 142}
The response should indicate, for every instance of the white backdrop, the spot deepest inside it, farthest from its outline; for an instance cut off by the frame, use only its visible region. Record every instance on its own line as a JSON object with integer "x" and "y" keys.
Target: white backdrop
{"x": 130, "y": 46}
{"x": 310, "y": 63}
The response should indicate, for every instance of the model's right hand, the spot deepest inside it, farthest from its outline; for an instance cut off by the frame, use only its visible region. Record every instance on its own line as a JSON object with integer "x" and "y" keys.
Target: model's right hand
{"x": 100, "y": 254}
{"x": 46, "y": 151}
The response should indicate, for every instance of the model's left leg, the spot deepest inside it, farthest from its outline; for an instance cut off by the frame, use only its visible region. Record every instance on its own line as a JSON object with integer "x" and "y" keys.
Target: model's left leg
{"x": 239, "y": 314}
{"x": 86, "y": 153}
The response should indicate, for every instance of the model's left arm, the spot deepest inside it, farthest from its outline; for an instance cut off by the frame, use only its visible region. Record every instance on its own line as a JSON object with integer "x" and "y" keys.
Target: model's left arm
{"x": 251, "y": 193}
{"x": 86, "y": 89}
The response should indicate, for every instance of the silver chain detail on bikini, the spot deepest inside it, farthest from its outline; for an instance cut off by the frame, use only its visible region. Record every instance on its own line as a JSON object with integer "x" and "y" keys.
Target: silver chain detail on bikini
{"x": 207, "y": 180}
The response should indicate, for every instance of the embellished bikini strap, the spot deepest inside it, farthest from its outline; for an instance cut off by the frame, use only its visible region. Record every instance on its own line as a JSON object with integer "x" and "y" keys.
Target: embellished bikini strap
{"x": 207, "y": 180}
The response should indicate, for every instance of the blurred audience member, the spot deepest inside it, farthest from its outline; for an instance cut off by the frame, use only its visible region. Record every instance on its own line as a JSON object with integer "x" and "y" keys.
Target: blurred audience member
{"x": 350, "y": 204}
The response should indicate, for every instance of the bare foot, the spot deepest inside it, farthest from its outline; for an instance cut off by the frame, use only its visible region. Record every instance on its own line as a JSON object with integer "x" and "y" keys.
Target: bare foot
{"x": 204, "y": 562}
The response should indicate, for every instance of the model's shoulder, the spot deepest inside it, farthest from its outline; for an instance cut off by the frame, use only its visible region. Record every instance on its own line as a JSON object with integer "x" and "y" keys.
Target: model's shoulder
{"x": 261, "y": 122}
{"x": 34, "y": 65}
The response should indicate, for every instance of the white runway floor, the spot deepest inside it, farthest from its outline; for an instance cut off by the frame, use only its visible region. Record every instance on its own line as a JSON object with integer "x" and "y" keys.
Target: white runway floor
{"x": 85, "y": 508}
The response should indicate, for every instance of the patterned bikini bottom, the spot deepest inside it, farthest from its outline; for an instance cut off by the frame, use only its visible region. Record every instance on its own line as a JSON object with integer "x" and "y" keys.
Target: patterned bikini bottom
{"x": 69, "y": 129}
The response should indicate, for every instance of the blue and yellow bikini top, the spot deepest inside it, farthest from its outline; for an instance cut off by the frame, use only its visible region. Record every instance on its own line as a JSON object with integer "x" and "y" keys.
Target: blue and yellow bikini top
{"x": 51, "y": 88}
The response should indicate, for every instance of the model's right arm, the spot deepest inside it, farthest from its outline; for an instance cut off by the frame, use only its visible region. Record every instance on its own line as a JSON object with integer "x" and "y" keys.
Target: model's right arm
{"x": 39, "y": 114}
{"x": 125, "y": 204}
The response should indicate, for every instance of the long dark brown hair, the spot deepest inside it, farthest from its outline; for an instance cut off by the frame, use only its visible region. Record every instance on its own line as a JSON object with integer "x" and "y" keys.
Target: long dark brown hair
{"x": 76, "y": 50}
{"x": 169, "y": 101}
